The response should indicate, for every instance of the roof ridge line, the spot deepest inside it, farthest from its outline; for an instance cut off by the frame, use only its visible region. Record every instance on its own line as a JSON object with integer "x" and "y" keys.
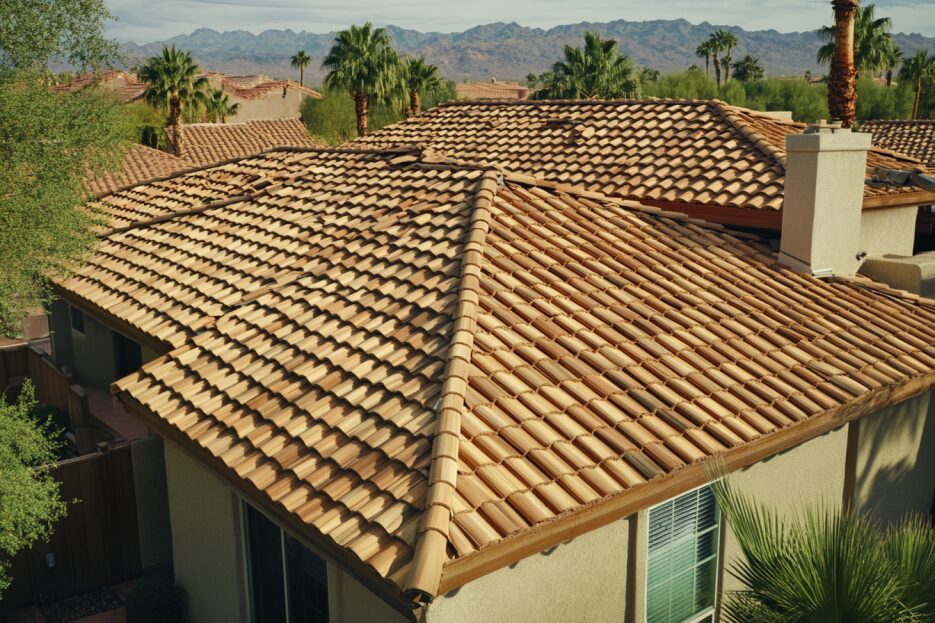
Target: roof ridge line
{"x": 728, "y": 113}
{"x": 573, "y": 102}
{"x": 432, "y": 537}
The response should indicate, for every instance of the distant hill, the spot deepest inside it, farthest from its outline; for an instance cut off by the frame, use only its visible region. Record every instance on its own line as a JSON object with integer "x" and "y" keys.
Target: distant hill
{"x": 506, "y": 51}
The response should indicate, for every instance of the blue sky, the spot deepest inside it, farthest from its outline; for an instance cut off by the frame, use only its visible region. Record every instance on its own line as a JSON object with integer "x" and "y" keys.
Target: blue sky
{"x": 145, "y": 20}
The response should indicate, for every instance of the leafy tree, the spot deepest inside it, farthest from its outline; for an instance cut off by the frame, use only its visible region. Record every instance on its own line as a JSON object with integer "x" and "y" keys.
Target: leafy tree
{"x": 532, "y": 80}
{"x": 919, "y": 71}
{"x": 875, "y": 49}
{"x": 300, "y": 61}
{"x": 419, "y": 78}
{"x": 875, "y": 101}
{"x": 597, "y": 71}
{"x": 893, "y": 58}
{"x": 827, "y": 565}
{"x": 362, "y": 63}
{"x": 648, "y": 74}
{"x": 174, "y": 83}
{"x": 29, "y": 495}
{"x": 49, "y": 144}
{"x": 748, "y": 69}
{"x": 218, "y": 106}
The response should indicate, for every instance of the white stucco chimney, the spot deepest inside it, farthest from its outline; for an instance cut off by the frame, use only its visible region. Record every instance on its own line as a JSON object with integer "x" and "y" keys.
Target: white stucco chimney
{"x": 825, "y": 171}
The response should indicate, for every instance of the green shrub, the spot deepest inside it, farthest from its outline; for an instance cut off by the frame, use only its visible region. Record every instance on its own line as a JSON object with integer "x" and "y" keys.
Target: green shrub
{"x": 877, "y": 101}
{"x": 157, "y": 599}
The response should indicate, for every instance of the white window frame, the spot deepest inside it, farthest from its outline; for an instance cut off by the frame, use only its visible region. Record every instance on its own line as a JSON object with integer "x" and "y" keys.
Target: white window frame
{"x": 701, "y": 616}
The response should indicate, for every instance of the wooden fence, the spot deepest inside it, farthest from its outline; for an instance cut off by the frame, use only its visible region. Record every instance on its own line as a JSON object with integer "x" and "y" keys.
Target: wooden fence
{"x": 98, "y": 542}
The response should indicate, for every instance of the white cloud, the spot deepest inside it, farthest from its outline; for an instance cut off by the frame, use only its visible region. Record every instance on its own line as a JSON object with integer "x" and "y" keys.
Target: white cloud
{"x": 145, "y": 20}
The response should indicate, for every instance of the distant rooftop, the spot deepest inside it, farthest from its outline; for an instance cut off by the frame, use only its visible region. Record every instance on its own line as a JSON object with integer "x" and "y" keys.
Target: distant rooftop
{"x": 913, "y": 138}
{"x": 206, "y": 143}
{"x": 491, "y": 90}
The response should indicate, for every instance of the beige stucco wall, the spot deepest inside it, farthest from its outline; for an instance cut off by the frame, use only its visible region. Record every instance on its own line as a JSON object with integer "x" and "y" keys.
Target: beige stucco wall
{"x": 915, "y": 273}
{"x": 888, "y": 231}
{"x": 895, "y": 468}
{"x": 273, "y": 106}
{"x": 207, "y": 546}
{"x": 349, "y": 601}
{"x": 583, "y": 580}
{"x": 813, "y": 472}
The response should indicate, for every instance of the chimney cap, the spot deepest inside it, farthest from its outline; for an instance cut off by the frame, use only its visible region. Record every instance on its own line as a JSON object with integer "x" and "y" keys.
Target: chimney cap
{"x": 824, "y": 127}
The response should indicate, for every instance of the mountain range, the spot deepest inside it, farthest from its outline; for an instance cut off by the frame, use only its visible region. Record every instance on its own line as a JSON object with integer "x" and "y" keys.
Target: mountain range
{"x": 506, "y": 51}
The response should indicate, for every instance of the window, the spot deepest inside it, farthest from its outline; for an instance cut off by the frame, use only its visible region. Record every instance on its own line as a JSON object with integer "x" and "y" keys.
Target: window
{"x": 288, "y": 583}
{"x": 681, "y": 574}
{"x": 77, "y": 319}
{"x": 129, "y": 355}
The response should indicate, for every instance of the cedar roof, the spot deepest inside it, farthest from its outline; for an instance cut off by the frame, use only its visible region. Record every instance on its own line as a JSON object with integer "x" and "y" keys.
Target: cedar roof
{"x": 432, "y": 370}
{"x": 206, "y": 143}
{"x": 140, "y": 163}
{"x": 714, "y": 160}
{"x": 913, "y": 138}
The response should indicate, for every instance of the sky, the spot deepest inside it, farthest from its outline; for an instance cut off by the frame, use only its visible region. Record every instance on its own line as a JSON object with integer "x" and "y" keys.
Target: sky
{"x": 143, "y": 21}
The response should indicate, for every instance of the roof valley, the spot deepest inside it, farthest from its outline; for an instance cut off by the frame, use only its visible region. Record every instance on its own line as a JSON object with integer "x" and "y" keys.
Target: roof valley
{"x": 431, "y": 547}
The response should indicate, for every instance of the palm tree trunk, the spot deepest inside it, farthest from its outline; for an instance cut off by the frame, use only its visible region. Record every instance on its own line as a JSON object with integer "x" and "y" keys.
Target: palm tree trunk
{"x": 727, "y": 62}
{"x": 360, "y": 107}
{"x": 842, "y": 83}
{"x": 717, "y": 70}
{"x": 415, "y": 104}
{"x": 302, "y": 77}
{"x": 707, "y": 69}
{"x": 889, "y": 77}
{"x": 917, "y": 99}
{"x": 175, "y": 121}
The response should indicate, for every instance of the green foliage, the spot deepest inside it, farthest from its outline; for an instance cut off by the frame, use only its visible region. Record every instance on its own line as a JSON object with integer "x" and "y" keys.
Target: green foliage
{"x": 218, "y": 107}
{"x": 332, "y": 117}
{"x": 417, "y": 78}
{"x": 596, "y": 71}
{"x": 51, "y": 141}
{"x": 875, "y": 101}
{"x": 157, "y": 599}
{"x": 35, "y": 32}
{"x": 919, "y": 71}
{"x": 146, "y": 124}
{"x": 29, "y": 495}
{"x": 825, "y": 565}
{"x": 300, "y": 60}
{"x": 174, "y": 86}
{"x": 874, "y": 47}
{"x": 748, "y": 69}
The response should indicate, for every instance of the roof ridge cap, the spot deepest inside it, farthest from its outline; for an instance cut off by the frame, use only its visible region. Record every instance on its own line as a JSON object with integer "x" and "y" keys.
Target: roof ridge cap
{"x": 728, "y": 113}
{"x": 433, "y": 533}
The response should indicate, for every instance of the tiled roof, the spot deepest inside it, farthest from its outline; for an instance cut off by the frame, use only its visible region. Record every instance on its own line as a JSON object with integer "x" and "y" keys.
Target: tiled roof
{"x": 140, "y": 163}
{"x": 257, "y": 86}
{"x": 491, "y": 90}
{"x": 130, "y": 91}
{"x": 705, "y": 157}
{"x": 435, "y": 370}
{"x": 913, "y": 138}
{"x": 215, "y": 142}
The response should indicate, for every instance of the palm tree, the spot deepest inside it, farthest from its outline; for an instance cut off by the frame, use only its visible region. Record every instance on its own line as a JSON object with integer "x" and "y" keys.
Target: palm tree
{"x": 874, "y": 46}
{"x": 532, "y": 80}
{"x": 419, "y": 78}
{"x": 362, "y": 63}
{"x": 748, "y": 69}
{"x": 726, "y": 42}
{"x": 825, "y": 564}
{"x": 842, "y": 83}
{"x": 705, "y": 50}
{"x": 173, "y": 83}
{"x": 300, "y": 61}
{"x": 715, "y": 47}
{"x": 893, "y": 58}
{"x": 597, "y": 71}
{"x": 219, "y": 107}
{"x": 918, "y": 70}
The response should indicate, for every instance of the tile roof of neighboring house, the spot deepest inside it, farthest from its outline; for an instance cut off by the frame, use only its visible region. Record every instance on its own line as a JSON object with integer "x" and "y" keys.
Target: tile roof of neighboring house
{"x": 431, "y": 370}
{"x": 913, "y": 138}
{"x": 215, "y": 142}
{"x": 491, "y": 90}
{"x": 130, "y": 91}
{"x": 257, "y": 86}
{"x": 706, "y": 157}
{"x": 140, "y": 163}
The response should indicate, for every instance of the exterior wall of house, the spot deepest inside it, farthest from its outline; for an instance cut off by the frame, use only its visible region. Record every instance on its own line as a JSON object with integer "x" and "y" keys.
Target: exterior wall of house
{"x": 273, "y": 106}
{"x": 914, "y": 274}
{"x": 349, "y": 601}
{"x": 811, "y": 472}
{"x": 60, "y": 325}
{"x": 895, "y": 467}
{"x": 584, "y": 579}
{"x": 888, "y": 231}
{"x": 152, "y": 502}
{"x": 93, "y": 353}
{"x": 207, "y": 543}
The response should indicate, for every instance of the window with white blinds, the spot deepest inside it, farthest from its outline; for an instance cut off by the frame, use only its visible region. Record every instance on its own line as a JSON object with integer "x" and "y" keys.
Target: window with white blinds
{"x": 681, "y": 574}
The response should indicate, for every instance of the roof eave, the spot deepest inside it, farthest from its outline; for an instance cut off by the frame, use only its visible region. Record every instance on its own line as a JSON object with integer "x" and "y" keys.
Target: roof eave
{"x": 577, "y": 522}
{"x": 899, "y": 200}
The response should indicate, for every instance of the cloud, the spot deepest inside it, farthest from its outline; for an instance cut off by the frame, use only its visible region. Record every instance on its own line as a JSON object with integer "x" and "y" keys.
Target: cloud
{"x": 145, "y": 20}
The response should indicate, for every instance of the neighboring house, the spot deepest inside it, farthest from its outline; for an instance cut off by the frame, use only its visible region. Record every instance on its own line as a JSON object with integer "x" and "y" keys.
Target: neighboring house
{"x": 124, "y": 85}
{"x": 492, "y": 90}
{"x": 395, "y": 387}
{"x": 913, "y": 138}
{"x": 260, "y": 97}
{"x": 707, "y": 158}
{"x": 207, "y": 143}
{"x": 140, "y": 163}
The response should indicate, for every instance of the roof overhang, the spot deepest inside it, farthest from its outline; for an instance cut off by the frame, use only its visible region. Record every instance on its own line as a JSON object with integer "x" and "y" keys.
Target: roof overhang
{"x": 900, "y": 200}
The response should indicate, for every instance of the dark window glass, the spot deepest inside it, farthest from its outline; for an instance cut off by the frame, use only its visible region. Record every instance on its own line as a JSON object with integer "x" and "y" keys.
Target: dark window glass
{"x": 77, "y": 320}
{"x": 308, "y": 584}
{"x": 129, "y": 355}
{"x": 264, "y": 543}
